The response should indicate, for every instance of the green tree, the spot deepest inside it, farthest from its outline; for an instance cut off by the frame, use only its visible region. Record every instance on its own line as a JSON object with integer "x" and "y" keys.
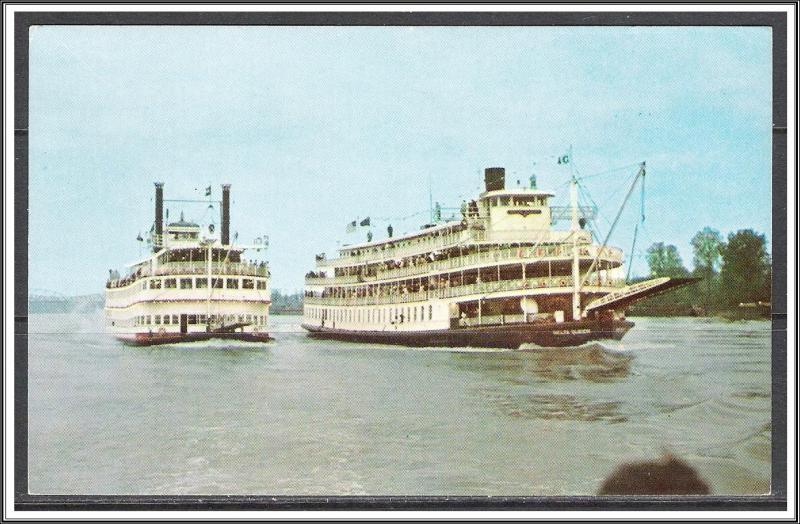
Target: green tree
{"x": 746, "y": 268}
{"x": 707, "y": 246}
{"x": 665, "y": 261}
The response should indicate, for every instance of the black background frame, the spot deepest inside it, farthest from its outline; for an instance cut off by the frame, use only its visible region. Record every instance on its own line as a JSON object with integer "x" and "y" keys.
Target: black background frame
{"x": 774, "y": 501}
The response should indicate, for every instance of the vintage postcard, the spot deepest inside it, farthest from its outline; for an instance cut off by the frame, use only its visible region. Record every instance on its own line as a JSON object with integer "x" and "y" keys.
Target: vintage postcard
{"x": 404, "y": 261}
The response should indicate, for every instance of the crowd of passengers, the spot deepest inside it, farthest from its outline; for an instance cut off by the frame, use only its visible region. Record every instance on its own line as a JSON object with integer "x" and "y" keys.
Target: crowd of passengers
{"x": 372, "y": 270}
{"x": 115, "y": 280}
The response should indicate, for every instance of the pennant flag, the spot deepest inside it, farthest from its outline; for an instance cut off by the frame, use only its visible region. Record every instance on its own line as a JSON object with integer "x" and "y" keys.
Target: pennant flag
{"x": 364, "y": 222}
{"x": 351, "y": 227}
{"x": 208, "y": 191}
{"x": 139, "y": 237}
{"x": 564, "y": 159}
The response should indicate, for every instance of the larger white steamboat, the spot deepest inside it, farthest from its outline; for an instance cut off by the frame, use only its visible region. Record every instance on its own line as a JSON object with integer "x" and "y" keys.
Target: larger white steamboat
{"x": 501, "y": 276}
{"x": 193, "y": 286}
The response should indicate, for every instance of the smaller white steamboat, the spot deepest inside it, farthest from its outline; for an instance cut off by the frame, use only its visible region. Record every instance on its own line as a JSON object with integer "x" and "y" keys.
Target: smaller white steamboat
{"x": 193, "y": 286}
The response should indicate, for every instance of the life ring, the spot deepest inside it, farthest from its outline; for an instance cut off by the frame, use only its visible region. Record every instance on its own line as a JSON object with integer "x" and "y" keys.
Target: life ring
{"x": 563, "y": 282}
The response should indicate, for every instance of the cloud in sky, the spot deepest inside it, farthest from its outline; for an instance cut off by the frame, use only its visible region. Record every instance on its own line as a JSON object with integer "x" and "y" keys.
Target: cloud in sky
{"x": 315, "y": 126}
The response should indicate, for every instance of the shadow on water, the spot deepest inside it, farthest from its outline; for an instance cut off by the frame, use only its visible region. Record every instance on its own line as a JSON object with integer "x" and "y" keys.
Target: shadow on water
{"x": 592, "y": 363}
{"x": 220, "y": 348}
{"x": 559, "y": 407}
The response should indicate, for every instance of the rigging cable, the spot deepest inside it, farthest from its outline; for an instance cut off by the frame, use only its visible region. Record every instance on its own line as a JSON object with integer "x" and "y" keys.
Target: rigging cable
{"x": 635, "y": 232}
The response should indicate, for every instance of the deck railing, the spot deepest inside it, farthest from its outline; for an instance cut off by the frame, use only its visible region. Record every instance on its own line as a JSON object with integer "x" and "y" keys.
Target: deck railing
{"x": 523, "y": 254}
{"x": 415, "y": 247}
{"x": 457, "y": 291}
{"x": 194, "y": 268}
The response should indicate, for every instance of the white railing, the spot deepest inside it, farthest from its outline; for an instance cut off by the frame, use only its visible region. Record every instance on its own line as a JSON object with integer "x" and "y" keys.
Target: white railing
{"x": 193, "y": 268}
{"x": 413, "y": 247}
{"x": 521, "y": 254}
{"x": 491, "y": 320}
{"x": 457, "y": 291}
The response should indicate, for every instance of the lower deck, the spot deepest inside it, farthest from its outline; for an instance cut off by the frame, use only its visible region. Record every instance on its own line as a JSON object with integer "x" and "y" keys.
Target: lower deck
{"x": 440, "y": 314}
{"x": 187, "y": 319}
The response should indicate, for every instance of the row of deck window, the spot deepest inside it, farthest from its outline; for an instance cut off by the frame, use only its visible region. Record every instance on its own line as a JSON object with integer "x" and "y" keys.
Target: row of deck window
{"x": 202, "y": 283}
{"x": 166, "y": 320}
{"x": 385, "y": 315}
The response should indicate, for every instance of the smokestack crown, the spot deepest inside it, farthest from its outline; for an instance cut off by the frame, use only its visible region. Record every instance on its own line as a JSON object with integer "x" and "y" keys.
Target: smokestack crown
{"x": 495, "y": 178}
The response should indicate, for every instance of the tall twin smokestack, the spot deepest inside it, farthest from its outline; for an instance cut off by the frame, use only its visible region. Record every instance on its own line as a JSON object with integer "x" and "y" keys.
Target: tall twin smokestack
{"x": 159, "y": 221}
{"x": 225, "y": 233}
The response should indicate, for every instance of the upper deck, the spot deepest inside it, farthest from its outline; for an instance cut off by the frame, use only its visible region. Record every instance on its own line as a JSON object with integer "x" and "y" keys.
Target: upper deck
{"x": 191, "y": 261}
{"x": 499, "y": 217}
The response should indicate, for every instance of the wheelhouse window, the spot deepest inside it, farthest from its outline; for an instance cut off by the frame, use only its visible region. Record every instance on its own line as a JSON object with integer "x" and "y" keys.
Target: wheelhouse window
{"x": 186, "y": 283}
{"x": 247, "y": 283}
{"x": 192, "y": 319}
{"x": 261, "y": 284}
{"x": 170, "y": 283}
{"x": 232, "y": 283}
{"x": 201, "y": 283}
{"x": 155, "y": 283}
{"x": 216, "y": 283}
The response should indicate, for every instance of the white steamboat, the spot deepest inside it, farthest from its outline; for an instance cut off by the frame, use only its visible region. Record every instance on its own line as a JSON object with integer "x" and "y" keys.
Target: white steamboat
{"x": 193, "y": 286}
{"x": 501, "y": 276}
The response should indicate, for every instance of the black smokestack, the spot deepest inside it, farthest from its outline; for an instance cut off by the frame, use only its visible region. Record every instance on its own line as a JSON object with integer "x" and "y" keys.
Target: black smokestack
{"x": 225, "y": 233}
{"x": 159, "y": 221}
{"x": 495, "y": 178}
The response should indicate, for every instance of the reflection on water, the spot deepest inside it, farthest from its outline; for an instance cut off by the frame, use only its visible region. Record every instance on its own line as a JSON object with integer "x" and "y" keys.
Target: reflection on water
{"x": 559, "y": 407}
{"x": 593, "y": 363}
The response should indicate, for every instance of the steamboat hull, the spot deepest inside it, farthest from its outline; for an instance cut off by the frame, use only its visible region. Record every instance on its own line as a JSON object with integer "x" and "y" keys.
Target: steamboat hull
{"x": 155, "y": 339}
{"x": 509, "y": 336}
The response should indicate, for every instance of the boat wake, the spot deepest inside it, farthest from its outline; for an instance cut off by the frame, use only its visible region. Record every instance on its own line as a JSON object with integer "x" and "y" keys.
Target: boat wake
{"x": 592, "y": 361}
{"x": 214, "y": 344}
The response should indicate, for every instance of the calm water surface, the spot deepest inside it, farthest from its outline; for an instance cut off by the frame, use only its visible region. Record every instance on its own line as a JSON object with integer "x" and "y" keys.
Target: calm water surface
{"x": 299, "y": 416}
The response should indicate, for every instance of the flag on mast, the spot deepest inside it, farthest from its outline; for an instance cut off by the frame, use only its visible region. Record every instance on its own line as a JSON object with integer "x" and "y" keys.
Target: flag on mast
{"x": 563, "y": 159}
{"x": 208, "y": 191}
{"x": 351, "y": 227}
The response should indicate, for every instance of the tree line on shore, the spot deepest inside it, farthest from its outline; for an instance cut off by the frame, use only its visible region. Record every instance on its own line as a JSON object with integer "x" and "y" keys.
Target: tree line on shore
{"x": 734, "y": 273}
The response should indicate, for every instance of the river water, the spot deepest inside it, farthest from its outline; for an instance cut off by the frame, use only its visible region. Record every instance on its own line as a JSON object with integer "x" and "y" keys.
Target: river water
{"x": 298, "y": 416}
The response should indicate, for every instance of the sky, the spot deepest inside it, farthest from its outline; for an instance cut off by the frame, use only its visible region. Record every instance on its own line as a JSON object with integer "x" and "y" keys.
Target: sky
{"x": 317, "y": 126}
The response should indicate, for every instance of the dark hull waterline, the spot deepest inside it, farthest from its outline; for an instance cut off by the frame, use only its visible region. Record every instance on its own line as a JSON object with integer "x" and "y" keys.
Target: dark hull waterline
{"x": 153, "y": 339}
{"x": 510, "y": 336}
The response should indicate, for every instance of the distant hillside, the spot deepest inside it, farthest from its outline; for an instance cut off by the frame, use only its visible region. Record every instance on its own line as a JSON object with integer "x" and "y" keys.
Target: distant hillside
{"x": 38, "y": 304}
{"x": 286, "y": 304}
